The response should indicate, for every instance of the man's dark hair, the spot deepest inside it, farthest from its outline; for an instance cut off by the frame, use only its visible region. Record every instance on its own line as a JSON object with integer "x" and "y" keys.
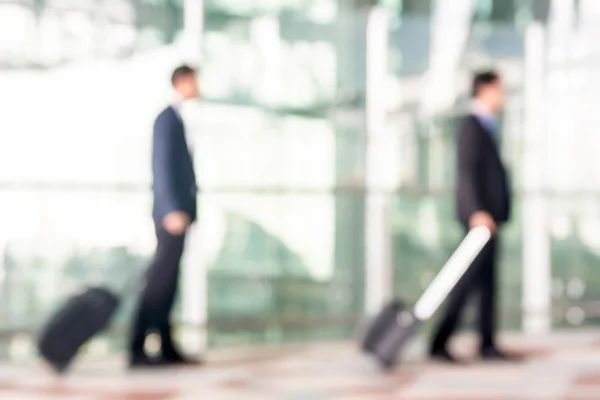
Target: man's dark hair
{"x": 482, "y": 79}
{"x": 180, "y": 72}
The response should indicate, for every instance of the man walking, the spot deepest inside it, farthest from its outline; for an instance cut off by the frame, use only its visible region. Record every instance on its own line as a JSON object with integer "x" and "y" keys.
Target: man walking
{"x": 483, "y": 199}
{"x": 174, "y": 209}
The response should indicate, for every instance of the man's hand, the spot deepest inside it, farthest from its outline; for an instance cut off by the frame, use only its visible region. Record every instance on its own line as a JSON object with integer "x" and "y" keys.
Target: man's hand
{"x": 176, "y": 222}
{"x": 482, "y": 218}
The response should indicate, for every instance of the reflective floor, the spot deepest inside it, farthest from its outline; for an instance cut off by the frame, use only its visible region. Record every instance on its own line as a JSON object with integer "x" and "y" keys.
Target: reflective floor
{"x": 561, "y": 366}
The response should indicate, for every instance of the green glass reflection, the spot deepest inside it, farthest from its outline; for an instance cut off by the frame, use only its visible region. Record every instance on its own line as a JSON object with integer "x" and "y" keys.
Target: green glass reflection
{"x": 575, "y": 255}
{"x": 266, "y": 286}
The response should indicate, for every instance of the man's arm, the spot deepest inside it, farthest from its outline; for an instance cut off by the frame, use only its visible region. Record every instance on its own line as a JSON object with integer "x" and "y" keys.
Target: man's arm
{"x": 162, "y": 164}
{"x": 469, "y": 151}
{"x": 468, "y": 156}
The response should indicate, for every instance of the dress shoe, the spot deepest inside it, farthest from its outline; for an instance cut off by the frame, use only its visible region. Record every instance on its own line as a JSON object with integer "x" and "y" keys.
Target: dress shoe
{"x": 139, "y": 361}
{"x": 174, "y": 357}
{"x": 443, "y": 355}
{"x": 493, "y": 354}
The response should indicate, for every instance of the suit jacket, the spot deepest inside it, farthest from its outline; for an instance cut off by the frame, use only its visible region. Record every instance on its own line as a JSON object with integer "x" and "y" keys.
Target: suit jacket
{"x": 482, "y": 179}
{"x": 174, "y": 181}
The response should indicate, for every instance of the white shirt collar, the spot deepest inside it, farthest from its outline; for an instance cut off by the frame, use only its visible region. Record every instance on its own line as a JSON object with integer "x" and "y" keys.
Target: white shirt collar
{"x": 176, "y": 104}
{"x": 480, "y": 110}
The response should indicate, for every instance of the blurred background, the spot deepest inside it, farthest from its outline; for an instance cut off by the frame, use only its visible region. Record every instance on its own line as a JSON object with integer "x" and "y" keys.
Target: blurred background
{"x": 325, "y": 150}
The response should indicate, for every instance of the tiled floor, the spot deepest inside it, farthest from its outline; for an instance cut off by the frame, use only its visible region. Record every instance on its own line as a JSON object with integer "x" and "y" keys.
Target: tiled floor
{"x": 558, "y": 367}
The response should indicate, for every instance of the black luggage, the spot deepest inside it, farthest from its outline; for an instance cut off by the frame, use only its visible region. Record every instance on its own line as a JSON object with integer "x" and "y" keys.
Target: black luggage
{"x": 396, "y": 323}
{"x": 82, "y": 317}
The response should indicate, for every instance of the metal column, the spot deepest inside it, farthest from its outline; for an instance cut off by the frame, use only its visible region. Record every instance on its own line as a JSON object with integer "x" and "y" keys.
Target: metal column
{"x": 379, "y": 276}
{"x": 194, "y": 279}
{"x": 193, "y": 30}
{"x": 536, "y": 247}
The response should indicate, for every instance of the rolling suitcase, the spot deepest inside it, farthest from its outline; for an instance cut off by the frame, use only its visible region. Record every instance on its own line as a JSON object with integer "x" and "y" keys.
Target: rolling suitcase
{"x": 397, "y": 322}
{"x": 82, "y": 317}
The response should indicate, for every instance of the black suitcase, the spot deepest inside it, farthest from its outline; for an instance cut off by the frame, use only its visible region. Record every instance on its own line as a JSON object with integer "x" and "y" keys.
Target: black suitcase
{"x": 82, "y": 317}
{"x": 397, "y": 323}
{"x": 380, "y": 325}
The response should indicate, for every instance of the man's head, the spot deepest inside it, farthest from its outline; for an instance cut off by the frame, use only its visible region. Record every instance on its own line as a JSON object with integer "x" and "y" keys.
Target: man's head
{"x": 185, "y": 82}
{"x": 488, "y": 90}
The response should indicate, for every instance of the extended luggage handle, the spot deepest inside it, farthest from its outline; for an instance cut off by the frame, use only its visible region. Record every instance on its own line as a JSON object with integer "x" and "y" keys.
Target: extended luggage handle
{"x": 451, "y": 273}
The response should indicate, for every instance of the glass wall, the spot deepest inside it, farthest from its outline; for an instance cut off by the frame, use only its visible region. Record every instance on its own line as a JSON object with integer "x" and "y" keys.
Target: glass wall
{"x": 570, "y": 162}
{"x": 49, "y": 33}
{"x": 569, "y": 188}
{"x": 271, "y": 40}
{"x": 490, "y": 34}
{"x": 80, "y": 83}
{"x": 286, "y": 260}
{"x": 280, "y": 143}
{"x": 278, "y": 147}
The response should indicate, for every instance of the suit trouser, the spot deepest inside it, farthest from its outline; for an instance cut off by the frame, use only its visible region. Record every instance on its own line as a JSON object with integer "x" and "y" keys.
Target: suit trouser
{"x": 157, "y": 298}
{"x": 480, "y": 279}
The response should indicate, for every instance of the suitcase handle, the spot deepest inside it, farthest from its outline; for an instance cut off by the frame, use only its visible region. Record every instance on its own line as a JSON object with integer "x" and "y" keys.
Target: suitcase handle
{"x": 451, "y": 272}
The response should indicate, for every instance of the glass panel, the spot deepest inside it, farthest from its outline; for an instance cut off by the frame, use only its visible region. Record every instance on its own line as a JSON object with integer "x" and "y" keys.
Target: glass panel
{"x": 274, "y": 277}
{"x": 571, "y": 164}
{"x": 285, "y": 247}
{"x": 289, "y": 57}
{"x": 49, "y": 33}
{"x": 574, "y": 227}
{"x": 278, "y": 174}
{"x": 56, "y": 240}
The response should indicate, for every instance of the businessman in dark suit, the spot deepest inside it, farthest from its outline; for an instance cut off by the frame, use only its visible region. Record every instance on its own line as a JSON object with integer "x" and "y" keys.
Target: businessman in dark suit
{"x": 174, "y": 209}
{"x": 483, "y": 198}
